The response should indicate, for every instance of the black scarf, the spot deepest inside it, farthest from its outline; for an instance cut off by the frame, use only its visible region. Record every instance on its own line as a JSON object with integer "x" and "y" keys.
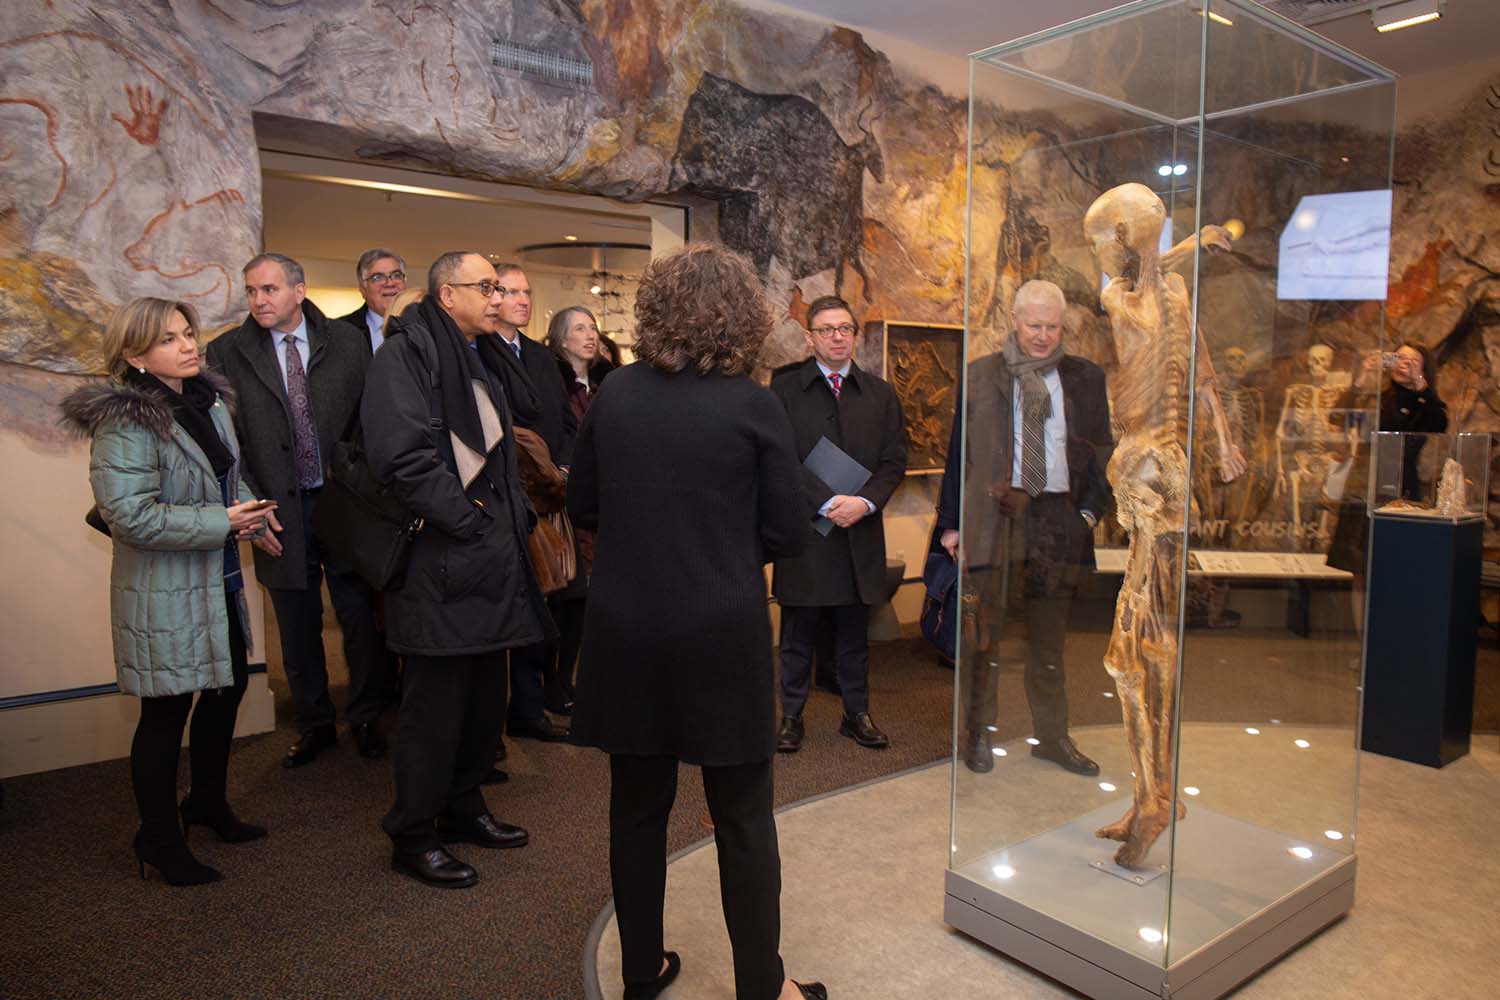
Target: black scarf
{"x": 458, "y": 366}
{"x": 520, "y": 391}
{"x": 191, "y": 409}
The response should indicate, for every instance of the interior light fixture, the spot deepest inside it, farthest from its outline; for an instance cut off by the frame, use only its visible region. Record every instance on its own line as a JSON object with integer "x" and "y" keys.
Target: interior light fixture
{"x": 1165, "y": 170}
{"x": 1179, "y": 169}
{"x": 1406, "y": 14}
{"x": 1190, "y": 790}
{"x": 1301, "y": 744}
{"x": 998, "y": 751}
{"x": 1150, "y": 935}
{"x": 1107, "y": 786}
{"x": 1003, "y": 872}
{"x": 595, "y": 289}
{"x": 1333, "y": 835}
{"x": 571, "y": 238}
{"x": 1302, "y": 853}
{"x": 1252, "y": 730}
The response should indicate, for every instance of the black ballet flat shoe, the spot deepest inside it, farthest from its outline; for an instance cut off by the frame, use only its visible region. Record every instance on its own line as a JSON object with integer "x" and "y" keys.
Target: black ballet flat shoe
{"x": 174, "y": 862}
{"x": 648, "y": 991}
{"x": 812, "y": 991}
{"x": 221, "y": 820}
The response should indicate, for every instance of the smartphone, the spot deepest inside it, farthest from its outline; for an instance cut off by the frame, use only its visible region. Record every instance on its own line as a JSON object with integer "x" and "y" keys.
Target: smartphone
{"x": 1389, "y": 359}
{"x": 262, "y": 504}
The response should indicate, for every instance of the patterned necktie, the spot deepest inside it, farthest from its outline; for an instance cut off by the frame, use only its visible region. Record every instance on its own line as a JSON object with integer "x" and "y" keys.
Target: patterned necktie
{"x": 837, "y": 381}
{"x": 1033, "y": 454}
{"x": 304, "y": 435}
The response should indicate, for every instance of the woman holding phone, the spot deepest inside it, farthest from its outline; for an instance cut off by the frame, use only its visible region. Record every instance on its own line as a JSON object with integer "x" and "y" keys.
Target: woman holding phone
{"x": 165, "y": 471}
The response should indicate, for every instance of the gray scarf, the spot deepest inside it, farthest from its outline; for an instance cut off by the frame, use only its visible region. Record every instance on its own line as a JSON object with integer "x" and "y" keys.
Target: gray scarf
{"x": 1036, "y": 401}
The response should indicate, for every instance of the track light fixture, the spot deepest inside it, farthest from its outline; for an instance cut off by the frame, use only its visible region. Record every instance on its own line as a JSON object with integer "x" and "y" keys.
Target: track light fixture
{"x": 1404, "y": 15}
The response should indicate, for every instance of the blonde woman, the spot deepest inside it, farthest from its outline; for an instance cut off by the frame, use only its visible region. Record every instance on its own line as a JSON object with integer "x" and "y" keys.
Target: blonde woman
{"x": 165, "y": 471}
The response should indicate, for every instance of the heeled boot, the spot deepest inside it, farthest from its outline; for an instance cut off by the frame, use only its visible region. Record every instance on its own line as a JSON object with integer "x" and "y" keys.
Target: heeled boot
{"x": 219, "y": 818}
{"x": 172, "y": 859}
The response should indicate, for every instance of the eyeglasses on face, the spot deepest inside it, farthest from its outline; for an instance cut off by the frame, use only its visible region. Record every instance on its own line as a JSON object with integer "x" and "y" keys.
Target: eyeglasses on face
{"x": 844, "y": 329}
{"x": 381, "y": 277}
{"x": 486, "y": 287}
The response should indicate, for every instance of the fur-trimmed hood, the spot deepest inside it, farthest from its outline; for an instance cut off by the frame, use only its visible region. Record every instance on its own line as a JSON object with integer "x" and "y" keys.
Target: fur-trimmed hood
{"x": 107, "y": 401}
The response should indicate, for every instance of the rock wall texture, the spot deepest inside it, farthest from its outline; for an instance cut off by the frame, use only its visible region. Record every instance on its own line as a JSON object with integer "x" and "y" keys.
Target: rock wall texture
{"x": 128, "y": 166}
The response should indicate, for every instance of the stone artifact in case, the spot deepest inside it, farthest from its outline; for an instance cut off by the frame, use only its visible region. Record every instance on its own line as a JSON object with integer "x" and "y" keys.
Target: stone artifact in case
{"x": 1442, "y": 476}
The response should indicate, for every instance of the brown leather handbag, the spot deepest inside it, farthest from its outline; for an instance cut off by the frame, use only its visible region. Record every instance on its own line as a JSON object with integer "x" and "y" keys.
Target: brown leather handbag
{"x": 553, "y": 551}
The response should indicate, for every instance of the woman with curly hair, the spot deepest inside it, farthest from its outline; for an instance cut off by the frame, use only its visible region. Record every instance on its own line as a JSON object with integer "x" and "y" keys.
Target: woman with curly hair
{"x": 165, "y": 469}
{"x": 685, "y": 470}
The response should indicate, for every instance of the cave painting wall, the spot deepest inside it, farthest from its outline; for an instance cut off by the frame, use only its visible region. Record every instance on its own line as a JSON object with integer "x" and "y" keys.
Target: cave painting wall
{"x": 128, "y": 166}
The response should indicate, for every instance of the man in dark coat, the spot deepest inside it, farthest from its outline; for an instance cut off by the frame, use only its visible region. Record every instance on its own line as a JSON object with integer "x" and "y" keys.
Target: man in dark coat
{"x": 298, "y": 377}
{"x": 438, "y": 429}
{"x": 843, "y": 571}
{"x": 381, "y": 274}
{"x": 539, "y": 402}
{"x": 1031, "y": 510}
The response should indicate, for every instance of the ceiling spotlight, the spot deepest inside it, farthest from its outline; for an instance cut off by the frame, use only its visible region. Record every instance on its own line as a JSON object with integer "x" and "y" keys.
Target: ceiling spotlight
{"x": 1165, "y": 170}
{"x": 1190, "y": 790}
{"x": 1252, "y": 730}
{"x": 1403, "y": 15}
{"x": 570, "y": 238}
{"x": 1004, "y": 871}
{"x": 1303, "y": 853}
{"x": 1150, "y": 935}
{"x": 1180, "y": 169}
{"x": 1107, "y": 786}
{"x": 998, "y": 751}
{"x": 595, "y": 289}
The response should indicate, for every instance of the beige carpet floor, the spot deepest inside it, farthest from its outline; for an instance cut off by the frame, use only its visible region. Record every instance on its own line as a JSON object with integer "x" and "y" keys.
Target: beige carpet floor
{"x": 863, "y": 878}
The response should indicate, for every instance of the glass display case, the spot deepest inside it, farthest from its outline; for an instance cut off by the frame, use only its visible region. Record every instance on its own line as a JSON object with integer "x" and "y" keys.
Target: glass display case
{"x": 1442, "y": 476}
{"x": 1154, "y": 772}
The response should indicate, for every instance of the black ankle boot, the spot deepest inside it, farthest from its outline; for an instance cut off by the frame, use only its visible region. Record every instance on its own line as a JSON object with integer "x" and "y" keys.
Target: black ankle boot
{"x": 221, "y": 820}
{"x": 173, "y": 859}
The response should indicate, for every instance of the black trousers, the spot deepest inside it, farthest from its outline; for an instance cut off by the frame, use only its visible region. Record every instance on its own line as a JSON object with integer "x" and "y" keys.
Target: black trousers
{"x": 1050, "y": 542}
{"x": 641, "y": 793}
{"x": 452, "y": 708}
{"x": 557, "y": 672}
{"x": 299, "y": 620}
{"x": 851, "y": 654}
{"x": 158, "y": 742}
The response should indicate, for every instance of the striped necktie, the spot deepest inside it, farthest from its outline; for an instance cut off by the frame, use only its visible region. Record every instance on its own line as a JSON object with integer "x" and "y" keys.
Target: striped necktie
{"x": 837, "y": 382}
{"x": 1033, "y": 454}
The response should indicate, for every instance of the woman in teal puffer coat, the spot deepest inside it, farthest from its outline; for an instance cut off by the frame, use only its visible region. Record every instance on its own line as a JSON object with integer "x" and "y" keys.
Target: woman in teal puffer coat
{"x": 164, "y": 467}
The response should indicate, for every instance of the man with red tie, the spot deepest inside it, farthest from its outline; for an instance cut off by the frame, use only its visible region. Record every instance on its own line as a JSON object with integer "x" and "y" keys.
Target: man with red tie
{"x": 842, "y": 572}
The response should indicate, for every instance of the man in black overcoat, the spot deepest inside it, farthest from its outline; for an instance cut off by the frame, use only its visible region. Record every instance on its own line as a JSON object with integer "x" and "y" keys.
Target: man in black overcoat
{"x": 842, "y": 571}
{"x": 437, "y": 425}
{"x": 298, "y": 377}
{"x": 381, "y": 274}
{"x": 1029, "y": 513}
{"x": 538, "y": 397}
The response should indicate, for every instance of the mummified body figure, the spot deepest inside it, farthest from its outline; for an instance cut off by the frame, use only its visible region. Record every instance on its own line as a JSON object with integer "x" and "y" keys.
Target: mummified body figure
{"x": 1151, "y": 321}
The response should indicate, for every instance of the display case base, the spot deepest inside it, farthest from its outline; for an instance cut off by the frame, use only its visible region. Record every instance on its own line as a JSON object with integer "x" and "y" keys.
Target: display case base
{"x": 1061, "y": 915}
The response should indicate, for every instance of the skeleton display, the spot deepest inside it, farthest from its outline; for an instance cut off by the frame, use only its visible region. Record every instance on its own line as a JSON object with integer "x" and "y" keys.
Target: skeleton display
{"x": 1151, "y": 323}
{"x": 1307, "y": 429}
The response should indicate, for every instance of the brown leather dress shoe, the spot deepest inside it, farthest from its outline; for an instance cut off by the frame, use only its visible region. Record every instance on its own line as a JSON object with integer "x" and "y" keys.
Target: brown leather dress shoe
{"x": 862, "y": 730}
{"x": 1066, "y": 754}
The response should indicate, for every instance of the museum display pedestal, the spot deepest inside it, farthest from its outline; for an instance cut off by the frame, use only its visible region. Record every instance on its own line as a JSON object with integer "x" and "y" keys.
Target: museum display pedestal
{"x": 1423, "y": 622}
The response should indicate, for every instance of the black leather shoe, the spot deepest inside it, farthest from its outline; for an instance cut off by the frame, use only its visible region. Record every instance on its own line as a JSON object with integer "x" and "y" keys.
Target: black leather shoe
{"x": 812, "y": 991}
{"x": 862, "y": 730}
{"x": 309, "y": 745}
{"x": 543, "y": 729}
{"x": 1064, "y": 753}
{"x": 789, "y": 738}
{"x": 495, "y": 777}
{"x": 369, "y": 740}
{"x": 483, "y": 830}
{"x": 979, "y": 755}
{"x": 436, "y": 868}
{"x": 649, "y": 991}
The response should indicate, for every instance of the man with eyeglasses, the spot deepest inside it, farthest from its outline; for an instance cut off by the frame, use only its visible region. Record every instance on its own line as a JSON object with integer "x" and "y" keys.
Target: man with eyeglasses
{"x": 298, "y": 377}
{"x": 538, "y": 395}
{"x": 382, "y": 276}
{"x": 437, "y": 423}
{"x": 840, "y": 573}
